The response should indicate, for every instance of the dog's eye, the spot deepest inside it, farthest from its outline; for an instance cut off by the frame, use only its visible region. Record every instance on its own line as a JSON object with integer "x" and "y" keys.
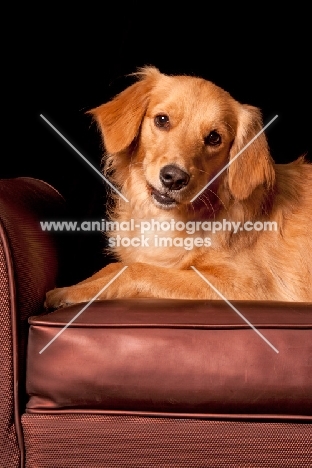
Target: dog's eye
{"x": 213, "y": 139}
{"x": 162, "y": 121}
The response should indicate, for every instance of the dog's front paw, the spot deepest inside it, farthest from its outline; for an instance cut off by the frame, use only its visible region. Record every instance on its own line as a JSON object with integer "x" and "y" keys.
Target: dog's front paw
{"x": 58, "y": 297}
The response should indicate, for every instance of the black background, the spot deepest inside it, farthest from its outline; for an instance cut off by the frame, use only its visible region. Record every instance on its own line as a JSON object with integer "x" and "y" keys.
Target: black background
{"x": 61, "y": 63}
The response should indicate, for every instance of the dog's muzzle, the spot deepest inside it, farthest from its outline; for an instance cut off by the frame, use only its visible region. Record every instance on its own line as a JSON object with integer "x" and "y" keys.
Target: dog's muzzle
{"x": 172, "y": 180}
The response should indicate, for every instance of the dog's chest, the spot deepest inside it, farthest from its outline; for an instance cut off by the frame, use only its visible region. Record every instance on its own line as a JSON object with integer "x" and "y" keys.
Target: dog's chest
{"x": 157, "y": 242}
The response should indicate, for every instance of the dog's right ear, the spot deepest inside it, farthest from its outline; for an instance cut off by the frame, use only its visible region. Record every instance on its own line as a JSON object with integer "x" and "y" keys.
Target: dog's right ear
{"x": 120, "y": 119}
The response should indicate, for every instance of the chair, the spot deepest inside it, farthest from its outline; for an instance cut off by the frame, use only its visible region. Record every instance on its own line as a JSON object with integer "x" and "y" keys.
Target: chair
{"x": 140, "y": 383}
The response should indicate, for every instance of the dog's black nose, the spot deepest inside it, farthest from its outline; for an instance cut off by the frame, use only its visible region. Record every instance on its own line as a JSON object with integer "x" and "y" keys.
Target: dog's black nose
{"x": 173, "y": 178}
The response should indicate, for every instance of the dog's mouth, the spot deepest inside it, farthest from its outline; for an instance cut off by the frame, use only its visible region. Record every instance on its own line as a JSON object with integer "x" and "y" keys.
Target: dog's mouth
{"x": 162, "y": 199}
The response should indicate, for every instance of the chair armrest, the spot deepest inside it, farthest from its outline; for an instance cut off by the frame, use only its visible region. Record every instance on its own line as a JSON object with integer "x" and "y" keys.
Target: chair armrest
{"x": 29, "y": 265}
{"x": 31, "y": 254}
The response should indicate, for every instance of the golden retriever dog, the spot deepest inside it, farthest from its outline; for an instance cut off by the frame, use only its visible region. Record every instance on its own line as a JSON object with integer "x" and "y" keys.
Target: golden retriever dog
{"x": 197, "y": 188}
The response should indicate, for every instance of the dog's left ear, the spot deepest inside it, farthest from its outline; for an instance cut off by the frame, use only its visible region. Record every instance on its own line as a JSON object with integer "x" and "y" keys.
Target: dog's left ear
{"x": 119, "y": 119}
{"x": 254, "y": 166}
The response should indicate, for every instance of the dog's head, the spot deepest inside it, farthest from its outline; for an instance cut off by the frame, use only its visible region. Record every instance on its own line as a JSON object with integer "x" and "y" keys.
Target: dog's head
{"x": 177, "y": 133}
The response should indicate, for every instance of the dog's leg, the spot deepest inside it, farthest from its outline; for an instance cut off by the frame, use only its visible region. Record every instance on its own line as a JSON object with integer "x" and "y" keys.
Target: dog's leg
{"x": 81, "y": 292}
{"x": 112, "y": 268}
{"x": 137, "y": 280}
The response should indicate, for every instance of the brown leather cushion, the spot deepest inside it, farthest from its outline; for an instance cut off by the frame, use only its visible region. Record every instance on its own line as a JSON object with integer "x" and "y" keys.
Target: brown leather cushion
{"x": 169, "y": 356}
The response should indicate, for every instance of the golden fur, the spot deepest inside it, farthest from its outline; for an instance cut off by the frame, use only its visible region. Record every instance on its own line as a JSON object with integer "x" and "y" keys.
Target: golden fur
{"x": 175, "y": 122}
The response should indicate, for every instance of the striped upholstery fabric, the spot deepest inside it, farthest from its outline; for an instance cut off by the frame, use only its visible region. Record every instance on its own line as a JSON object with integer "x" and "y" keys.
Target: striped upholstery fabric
{"x": 99, "y": 441}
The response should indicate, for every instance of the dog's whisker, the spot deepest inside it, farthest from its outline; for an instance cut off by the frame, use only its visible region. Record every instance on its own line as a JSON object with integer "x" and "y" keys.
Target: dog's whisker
{"x": 193, "y": 208}
{"x": 209, "y": 206}
{"x": 221, "y": 201}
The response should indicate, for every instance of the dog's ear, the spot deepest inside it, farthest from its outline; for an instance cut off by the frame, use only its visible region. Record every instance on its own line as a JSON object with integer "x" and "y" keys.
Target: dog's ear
{"x": 119, "y": 119}
{"x": 254, "y": 166}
